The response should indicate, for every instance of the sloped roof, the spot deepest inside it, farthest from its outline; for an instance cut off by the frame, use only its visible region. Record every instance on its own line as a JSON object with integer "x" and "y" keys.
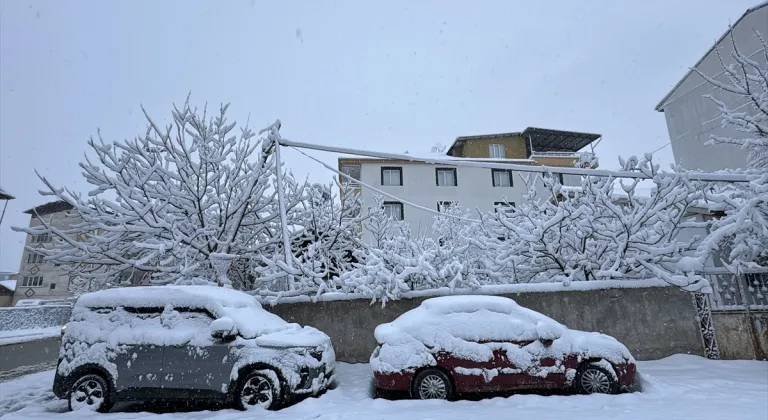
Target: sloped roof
{"x": 49, "y": 208}
{"x": 8, "y": 284}
{"x": 660, "y": 105}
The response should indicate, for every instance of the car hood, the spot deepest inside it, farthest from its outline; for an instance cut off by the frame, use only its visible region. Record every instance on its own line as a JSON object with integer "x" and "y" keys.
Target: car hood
{"x": 293, "y": 337}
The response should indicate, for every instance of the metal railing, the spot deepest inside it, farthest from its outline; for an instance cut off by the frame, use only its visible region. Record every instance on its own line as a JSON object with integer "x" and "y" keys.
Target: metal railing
{"x": 556, "y": 154}
{"x": 732, "y": 292}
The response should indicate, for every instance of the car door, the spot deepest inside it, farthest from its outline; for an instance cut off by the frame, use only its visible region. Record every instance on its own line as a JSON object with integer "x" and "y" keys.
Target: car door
{"x": 198, "y": 368}
{"x": 478, "y": 376}
{"x": 512, "y": 363}
{"x": 139, "y": 363}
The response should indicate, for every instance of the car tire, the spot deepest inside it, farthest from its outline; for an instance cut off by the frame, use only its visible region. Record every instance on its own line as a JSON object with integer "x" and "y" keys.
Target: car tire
{"x": 258, "y": 389}
{"x": 594, "y": 379}
{"x": 430, "y": 384}
{"x": 92, "y": 392}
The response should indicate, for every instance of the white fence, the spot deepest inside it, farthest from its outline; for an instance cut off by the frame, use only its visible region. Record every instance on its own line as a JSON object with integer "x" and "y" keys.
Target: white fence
{"x": 733, "y": 292}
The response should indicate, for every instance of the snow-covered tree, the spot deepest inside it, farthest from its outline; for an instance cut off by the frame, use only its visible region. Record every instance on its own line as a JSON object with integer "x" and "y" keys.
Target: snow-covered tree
{"x": 598, "y": 234}
{"x": 743, "y": 231}
{"x": 748, "y": 80}
{"x": 166, "y": 201}
{"x": 326, "y": 232}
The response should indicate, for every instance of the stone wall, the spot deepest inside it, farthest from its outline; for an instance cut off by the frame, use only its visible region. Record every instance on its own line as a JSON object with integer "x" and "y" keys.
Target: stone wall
{"x": 652, "y": 322}
{"x": 741, "y": 334}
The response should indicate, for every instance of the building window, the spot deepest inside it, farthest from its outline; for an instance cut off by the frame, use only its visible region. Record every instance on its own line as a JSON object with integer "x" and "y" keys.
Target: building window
{"x": 502, "y": 178}
{"x": 442, "y": 206}
{"x": 33, "y": 258}
{"x": 496, "y": 151}
{"x": 445, "y": 177}
{"x": 392, "y": 176}
{"x": 43, "y": 237}
{"x": 394, "y": 209}
{"x": 32, "y": 281}
{"x": 53, "y": 286}
{"x": 353, "y": 171}
{"x": 504, "y": 206}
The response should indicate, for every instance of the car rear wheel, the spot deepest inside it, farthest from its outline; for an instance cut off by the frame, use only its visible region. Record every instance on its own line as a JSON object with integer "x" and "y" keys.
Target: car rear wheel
{"x": 594, "y": 379}
{"x": 432, "y": 384}
{"x": 90, "y": 392}
{"x": 259, "y": 389}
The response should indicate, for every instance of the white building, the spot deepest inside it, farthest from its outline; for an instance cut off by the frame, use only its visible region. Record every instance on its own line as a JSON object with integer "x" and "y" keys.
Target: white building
{"x": 692, "y": 118}
{"x": 40, "y": 279}
{"x": 433, "y": 186}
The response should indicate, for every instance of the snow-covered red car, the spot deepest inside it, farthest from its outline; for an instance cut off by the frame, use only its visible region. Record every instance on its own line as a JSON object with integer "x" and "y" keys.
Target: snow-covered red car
{"x": 461, "y": 344}
{"x": 186, "y": 342}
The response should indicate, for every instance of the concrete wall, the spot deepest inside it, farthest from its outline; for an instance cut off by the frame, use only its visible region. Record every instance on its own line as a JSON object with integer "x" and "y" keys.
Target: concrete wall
{"x": 742, "y": 335}
{"x": 653, "y": 322}
{"x": 691, "y": 118}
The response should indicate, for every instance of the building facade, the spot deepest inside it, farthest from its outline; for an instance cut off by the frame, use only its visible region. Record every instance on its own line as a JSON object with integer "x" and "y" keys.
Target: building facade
{"x": 39, "y": 279}
{"x": 477, "y": 189}
{"x": 692, "y": 118}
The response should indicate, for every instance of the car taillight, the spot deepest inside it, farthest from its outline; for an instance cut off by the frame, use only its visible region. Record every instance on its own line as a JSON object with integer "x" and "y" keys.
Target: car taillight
{"x": 63, "y": 329}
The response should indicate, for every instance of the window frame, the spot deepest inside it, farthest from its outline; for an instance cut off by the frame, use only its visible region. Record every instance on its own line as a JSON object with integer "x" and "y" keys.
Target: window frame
{"x": 445, "y": 204}
{"x": 455, "y": 177}
{"x": 497, "y": 204}
{"x": 508, "y": 172}
{"x": 32, "y": 281}
{"x": 34, "y": 258}
{"x": 395, "y": 203}
{"x": 42, "y": 238}
{"x": 501, "y": 147}
{"x": 391, "y": 168}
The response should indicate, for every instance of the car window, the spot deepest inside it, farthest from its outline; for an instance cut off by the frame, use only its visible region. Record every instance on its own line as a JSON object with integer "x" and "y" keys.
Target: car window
{"x": 195, "y": 316}
{"x": 144, "y": 313}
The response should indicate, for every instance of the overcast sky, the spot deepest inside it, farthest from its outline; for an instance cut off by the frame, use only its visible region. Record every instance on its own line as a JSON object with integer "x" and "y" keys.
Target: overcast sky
{"x": 385, "y": 75}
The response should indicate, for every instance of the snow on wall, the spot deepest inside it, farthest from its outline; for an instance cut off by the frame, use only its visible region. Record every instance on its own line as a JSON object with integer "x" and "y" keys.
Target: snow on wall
{"x": 33, "y": 317}
{"x": 496, "y": 289}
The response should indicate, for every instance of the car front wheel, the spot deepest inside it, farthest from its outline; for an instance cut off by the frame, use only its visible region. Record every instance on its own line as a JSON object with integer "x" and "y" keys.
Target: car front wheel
{"x": 432, "y": 384}
{"x": 90, "y": 392}
{"x": 259, "y": 389}
{"x": 594, "y": 379}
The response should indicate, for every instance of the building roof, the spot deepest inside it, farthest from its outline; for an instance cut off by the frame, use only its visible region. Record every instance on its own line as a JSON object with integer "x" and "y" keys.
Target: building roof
{"x": 8, "y": 284}
{"x": 52, "y": 207}
{"x": 542, "y": 139}
{"x": 4, "y": 195}
{"x": 660, "y": 105}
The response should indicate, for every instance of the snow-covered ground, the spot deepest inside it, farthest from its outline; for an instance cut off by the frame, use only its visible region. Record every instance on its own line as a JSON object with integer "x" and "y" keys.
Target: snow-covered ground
{"x": 21, "y": 336}
{"x": 678, "y": 387}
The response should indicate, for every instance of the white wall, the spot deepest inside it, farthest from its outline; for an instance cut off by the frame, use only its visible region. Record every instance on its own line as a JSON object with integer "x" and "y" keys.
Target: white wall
{"x": 691, "y": 118}
{"x": 474, "y": 191}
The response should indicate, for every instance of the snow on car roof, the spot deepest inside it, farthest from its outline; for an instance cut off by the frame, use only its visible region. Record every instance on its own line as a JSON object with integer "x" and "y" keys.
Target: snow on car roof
{"x": 249, "y": 317}
{"x": 159, "y": 296}
{"x": 472, "y": 318}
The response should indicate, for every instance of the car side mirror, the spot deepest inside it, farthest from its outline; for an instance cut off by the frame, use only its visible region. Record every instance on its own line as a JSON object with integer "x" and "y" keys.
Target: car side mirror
{"x": 224, "y": 329}
{"x": 546, "y": 343}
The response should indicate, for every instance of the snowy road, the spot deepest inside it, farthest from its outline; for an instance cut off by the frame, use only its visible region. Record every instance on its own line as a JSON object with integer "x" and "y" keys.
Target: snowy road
{"x": 678, "y": 387}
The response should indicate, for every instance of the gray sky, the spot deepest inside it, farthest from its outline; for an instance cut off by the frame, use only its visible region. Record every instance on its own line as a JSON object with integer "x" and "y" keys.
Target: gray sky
{"x": 385, "y": 75}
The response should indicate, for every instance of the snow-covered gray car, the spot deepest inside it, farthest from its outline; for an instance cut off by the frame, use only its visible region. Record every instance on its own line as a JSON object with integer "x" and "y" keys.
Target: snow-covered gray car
{"x": 179, "y": 342}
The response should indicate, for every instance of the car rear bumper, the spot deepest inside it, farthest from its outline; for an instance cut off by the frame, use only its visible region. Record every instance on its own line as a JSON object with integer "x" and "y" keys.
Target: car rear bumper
{"x": 400, "y": 381}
